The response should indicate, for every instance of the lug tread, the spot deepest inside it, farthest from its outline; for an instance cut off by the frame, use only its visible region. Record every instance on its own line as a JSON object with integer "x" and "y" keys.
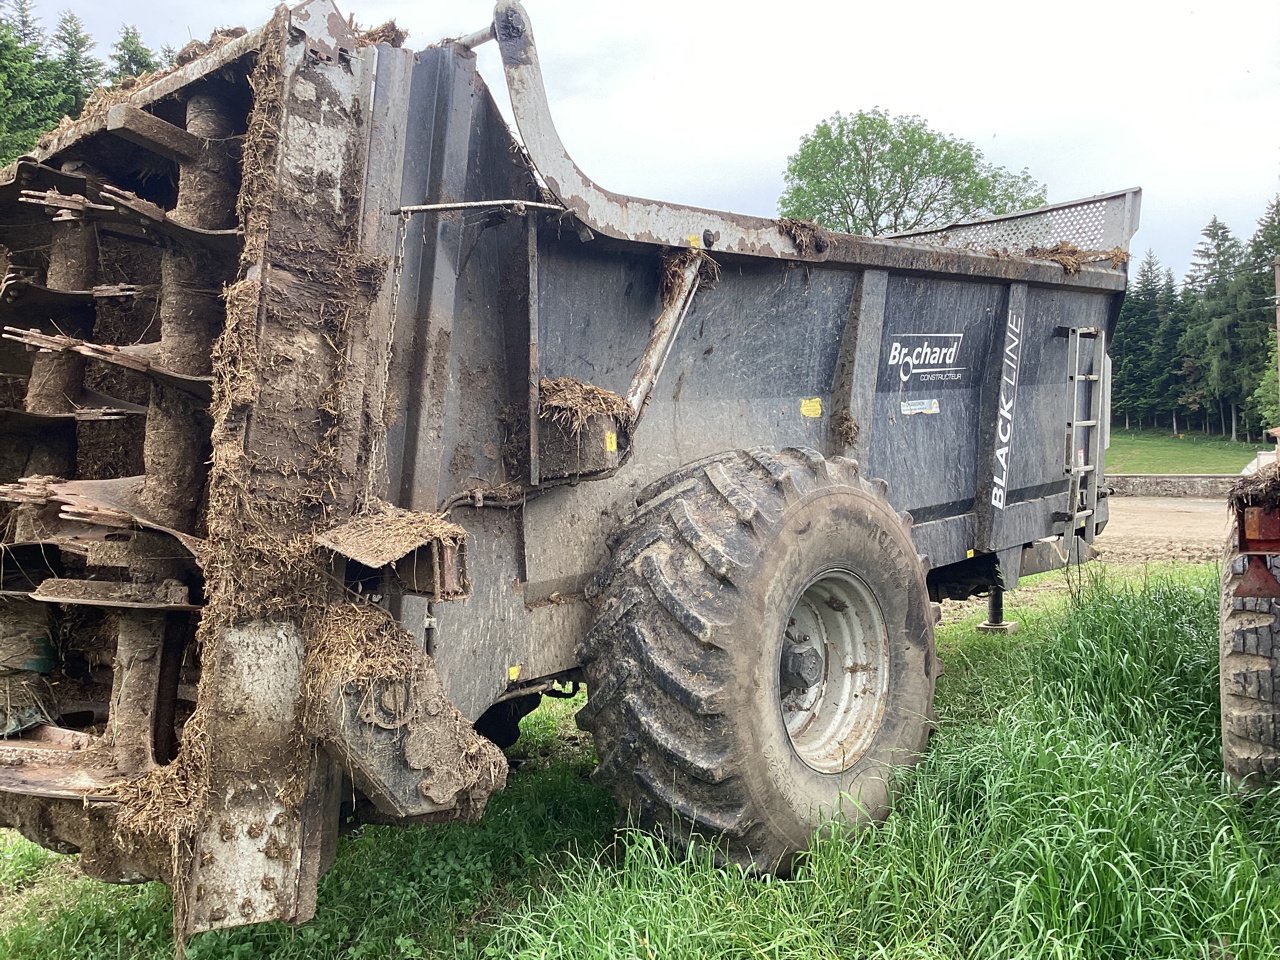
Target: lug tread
{"x": 703, "y": 543}
{"x": 707, "y": 765}
{"x": 730, "y": 821}
{"x": 1249, "y": 678}
{"x": 733, "y": 494}
{"x": 680, "y": 609}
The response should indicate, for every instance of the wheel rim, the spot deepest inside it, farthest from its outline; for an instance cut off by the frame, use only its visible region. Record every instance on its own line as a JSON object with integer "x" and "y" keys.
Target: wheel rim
{"x": 833, "y": 671}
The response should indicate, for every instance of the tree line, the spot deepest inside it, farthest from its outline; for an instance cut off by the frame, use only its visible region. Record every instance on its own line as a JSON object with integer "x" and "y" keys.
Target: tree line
{"x": 46, "y": 76}
{"x": 1201, "y": 356}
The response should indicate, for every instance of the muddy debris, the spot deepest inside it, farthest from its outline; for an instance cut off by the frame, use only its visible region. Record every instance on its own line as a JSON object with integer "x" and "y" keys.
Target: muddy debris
{"x": 673, "y": 267}
{"x": 1260, "y": 489}
{"x": 846, "y": 428}
{"x": 569, "y": 403}
{"x": 1071, "y": 258}
{"x": 805, "y": 235}
{"x": 383, "y": 533}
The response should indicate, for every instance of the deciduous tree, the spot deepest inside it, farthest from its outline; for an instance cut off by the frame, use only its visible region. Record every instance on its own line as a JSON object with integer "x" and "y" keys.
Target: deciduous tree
{"x": 872, "y": 173}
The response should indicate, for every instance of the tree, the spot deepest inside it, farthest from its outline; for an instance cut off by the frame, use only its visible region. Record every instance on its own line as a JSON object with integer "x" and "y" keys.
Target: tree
{"x": 20, "y": 15}
{"x": 1132, "y": 342}
{"x": 1220, "y": 330}
{"x": 30, "y": 97}
{"x": 872, "y": 173}
{"x": 130, "y": 57}
{"x": 78, "y": 72}
{"x": 1257, "y": 289}
{"x": 168, "y": 56}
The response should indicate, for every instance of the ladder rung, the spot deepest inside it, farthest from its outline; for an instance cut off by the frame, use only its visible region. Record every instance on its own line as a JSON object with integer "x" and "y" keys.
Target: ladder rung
{"x": 1078, "y": 471}
{"x": 1062, "y": 516}
{"x": 1084, "y": 376}
{"x": 1082, "y": 423}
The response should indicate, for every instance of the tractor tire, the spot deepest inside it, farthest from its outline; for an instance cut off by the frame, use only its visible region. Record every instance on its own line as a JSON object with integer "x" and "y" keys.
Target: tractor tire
{"x": 762, "y": 655}
{"x": 1249, "y": 675}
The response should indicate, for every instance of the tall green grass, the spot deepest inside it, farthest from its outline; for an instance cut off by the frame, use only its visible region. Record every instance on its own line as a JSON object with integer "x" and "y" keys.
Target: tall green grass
{"x": 1071, "y": 807}
{"x": 1084, "y": 819}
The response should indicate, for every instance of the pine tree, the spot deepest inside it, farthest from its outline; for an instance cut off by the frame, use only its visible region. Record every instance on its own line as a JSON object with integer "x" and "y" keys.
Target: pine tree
{"x": 79, "y": 72}
{"x": 1256, "y": 289}
{"x": 21, "y": 17}
{"x": 130, "y": 57}
{"x": 1131, "y": 360}
{"x": 30, "y": 97}
{"x": 1165, "y": 371}
{"x": 168, "y": 56}
{"x": 1213, "y": 329}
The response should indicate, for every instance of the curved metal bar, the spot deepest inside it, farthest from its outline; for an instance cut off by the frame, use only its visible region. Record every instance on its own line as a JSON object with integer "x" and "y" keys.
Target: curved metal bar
{"x": 617, "y": 215}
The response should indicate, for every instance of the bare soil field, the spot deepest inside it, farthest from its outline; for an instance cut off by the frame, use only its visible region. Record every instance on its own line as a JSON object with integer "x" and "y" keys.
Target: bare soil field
{"x": 1163, "y": 529}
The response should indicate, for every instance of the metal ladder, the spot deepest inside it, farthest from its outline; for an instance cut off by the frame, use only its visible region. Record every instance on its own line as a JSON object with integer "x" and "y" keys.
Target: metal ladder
{"x": 1084, "y": 436}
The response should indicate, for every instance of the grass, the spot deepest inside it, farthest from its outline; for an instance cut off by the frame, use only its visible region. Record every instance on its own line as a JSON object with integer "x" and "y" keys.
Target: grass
{"x": 1071, "y": 807}
{"x": 1158, "y": 451}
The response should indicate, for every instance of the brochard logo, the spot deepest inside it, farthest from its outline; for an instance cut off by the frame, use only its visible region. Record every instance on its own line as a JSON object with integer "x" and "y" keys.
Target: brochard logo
{"x": 926, "y": 356}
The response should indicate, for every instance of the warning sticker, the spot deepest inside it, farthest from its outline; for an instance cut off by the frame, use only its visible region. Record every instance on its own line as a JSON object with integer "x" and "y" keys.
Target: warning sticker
{"x": 610, "y": 442}
{"x": 811, "y": 407}
{"x": 911, "y": 407}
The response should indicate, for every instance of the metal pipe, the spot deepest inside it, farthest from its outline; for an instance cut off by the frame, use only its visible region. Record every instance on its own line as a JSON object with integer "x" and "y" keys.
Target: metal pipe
{"x": 665, "y": 328}
{"x": 516, "y": 206}
{"x": 995, "y": 607}
{"x": 473, "y": 40}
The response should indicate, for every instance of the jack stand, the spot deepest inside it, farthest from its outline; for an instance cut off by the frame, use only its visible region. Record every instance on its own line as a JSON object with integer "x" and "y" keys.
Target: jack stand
{"x": 996, "y": 622}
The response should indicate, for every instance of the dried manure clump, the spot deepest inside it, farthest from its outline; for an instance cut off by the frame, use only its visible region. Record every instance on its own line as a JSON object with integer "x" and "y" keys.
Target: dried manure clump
{"x": 569, "y": 403}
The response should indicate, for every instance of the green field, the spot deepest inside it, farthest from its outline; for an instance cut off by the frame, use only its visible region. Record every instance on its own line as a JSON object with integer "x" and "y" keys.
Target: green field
{"x": 1071, "y": 807}
{"x": 1158, "y": 451}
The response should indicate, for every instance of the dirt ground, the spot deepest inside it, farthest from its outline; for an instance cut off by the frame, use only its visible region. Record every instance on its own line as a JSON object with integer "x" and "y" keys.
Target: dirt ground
{"x": 1155, "y": 529}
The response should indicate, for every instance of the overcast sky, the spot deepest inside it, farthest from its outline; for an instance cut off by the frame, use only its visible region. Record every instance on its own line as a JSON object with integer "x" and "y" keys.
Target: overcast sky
{"x": 702, "y": 102}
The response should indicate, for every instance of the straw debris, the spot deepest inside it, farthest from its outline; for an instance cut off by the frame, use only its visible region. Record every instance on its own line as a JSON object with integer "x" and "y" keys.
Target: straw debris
{"x": 1259, "y": 489}
{"x": 846, "y": 428}
{"x": 102, "y": 99}
{"x": 805, "y": 235}
{"x": 389, "y": 33}
{"x": 674, "y": 264}
{"x": 569, "y": 403}
{"x": 382, "y": 534}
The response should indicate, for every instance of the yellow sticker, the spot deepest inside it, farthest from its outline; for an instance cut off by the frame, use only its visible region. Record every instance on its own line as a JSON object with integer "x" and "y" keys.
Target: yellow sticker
{"x": 513, "y": 673}
{"x": 610, "y": 441}
{"x": 694, "y": 240}
{"x": 968, "y": 554}
{"x": 811, "y": 407}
